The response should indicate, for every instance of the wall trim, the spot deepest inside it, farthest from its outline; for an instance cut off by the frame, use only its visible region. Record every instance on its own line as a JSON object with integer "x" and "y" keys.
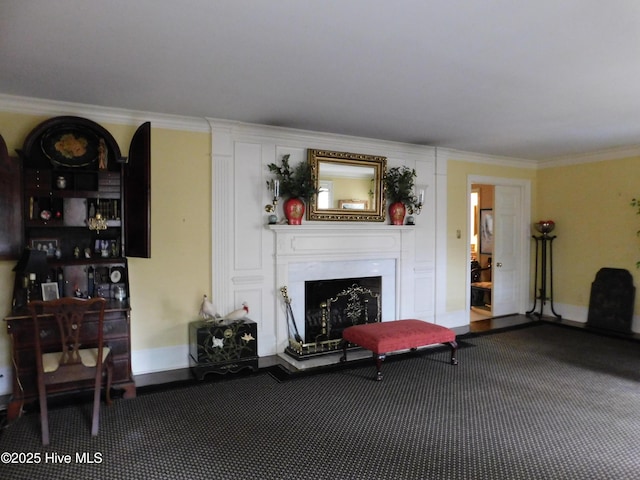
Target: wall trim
{"x": 462, "y": 156}
{"x": 456, "y": 319}
{"x": 592, "y": 157}
{"x": 577, "y": 313}
{"x": 153, "y": 360}
{"x": 122, "y": 116}
{"x": 119, "y": 116}
{"x": 292, "y": 137}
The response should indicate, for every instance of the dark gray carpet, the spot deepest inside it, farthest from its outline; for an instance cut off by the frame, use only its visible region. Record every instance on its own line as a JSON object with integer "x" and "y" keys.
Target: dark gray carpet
{"x": 540, "y": 402}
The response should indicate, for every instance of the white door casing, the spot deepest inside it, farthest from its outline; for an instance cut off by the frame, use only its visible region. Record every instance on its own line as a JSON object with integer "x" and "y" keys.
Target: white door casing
{"x": 512, "y": 220}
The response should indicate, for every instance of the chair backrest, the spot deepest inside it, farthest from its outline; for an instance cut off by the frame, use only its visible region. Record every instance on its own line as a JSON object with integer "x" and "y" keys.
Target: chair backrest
{"x": 70, "y": 317}
{"x": 475, "y": 271}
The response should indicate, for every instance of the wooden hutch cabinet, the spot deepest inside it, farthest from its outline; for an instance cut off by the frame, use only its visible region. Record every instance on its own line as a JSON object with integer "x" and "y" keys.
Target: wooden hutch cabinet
{"x": 72, "y": 201}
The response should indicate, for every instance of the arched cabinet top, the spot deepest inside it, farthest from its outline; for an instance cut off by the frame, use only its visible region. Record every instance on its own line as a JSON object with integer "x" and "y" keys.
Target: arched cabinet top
{"x": 70, "y": 142}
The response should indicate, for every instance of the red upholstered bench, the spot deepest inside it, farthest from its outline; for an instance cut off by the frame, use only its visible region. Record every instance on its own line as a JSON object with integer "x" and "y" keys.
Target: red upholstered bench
{"x": 385, "y": 337}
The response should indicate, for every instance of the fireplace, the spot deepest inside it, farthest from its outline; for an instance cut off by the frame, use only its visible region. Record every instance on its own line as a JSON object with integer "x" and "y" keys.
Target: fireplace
{"x": 323, "y": 252}
{"x": 318, "y": 292}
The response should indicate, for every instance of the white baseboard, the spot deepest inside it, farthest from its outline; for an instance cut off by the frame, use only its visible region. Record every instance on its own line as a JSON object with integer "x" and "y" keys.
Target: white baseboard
{"x": 455, "y": 319}
{"x": 581, "y": 313}
{"x": 575, "y": 313}
{"x": 154, "y": 360}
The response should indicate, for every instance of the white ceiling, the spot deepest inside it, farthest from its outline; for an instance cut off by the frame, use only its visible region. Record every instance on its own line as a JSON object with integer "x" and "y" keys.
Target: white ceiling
{"x": 530, "y": 79}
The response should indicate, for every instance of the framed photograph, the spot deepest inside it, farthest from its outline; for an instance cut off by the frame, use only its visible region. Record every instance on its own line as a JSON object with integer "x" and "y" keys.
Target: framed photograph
{"x": 48, "y": 245}
{"x": 486, "y": 231}
{"x": 50, "y": 291}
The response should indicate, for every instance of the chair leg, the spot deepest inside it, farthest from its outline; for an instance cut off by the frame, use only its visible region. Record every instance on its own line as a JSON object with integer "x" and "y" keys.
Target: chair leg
{"x": 96, "y": 404}
{"x": 107, "y": 394}
{"x": 44, "y": 412}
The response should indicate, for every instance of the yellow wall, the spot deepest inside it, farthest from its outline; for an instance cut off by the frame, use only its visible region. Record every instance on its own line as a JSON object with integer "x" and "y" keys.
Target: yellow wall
{"x": 166, "y": 290}
{"x": 458, "y": 255}
{"x": 595, "y": 224}
{"x": 350, "y": 189}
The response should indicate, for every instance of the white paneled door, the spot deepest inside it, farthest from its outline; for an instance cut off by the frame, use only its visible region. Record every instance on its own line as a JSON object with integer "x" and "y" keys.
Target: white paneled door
{"x": 507, "y": 253}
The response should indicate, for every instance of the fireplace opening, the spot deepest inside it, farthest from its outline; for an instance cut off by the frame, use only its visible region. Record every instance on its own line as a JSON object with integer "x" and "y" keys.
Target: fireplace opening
{"x": 333, "y": 305}
{"x": 318, "y": 292}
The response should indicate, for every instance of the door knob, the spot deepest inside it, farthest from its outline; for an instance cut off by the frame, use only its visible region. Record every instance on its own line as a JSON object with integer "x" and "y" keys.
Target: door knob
{"x": 499, "y": 264}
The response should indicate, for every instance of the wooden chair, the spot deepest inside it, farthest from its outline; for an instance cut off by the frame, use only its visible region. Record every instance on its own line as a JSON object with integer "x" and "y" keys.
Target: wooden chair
{"x": 72, "y": 352}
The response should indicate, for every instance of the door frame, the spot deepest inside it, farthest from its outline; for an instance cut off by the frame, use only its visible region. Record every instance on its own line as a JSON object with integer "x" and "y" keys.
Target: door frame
{"x": 525, "y": 234}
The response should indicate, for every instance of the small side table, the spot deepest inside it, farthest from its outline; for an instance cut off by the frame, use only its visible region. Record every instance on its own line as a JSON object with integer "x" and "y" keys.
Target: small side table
{"x": 544, "y": 242}
{"x": 222, "y": 347}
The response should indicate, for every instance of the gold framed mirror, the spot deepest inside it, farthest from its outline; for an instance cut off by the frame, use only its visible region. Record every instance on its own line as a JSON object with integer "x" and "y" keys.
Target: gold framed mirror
{"x": 349, "y": 186}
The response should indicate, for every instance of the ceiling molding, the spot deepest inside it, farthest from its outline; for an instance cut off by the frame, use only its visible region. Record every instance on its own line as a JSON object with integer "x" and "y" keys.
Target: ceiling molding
{"x": 462, "y": 156}
{"x": 315, "y": 139}
{"x": 592, "y": 157}
{"x": 119, "y": 116}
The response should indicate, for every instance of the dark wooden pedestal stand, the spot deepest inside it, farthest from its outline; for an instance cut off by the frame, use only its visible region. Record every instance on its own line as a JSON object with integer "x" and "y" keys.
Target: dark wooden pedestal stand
{"x": 543, "y": 245}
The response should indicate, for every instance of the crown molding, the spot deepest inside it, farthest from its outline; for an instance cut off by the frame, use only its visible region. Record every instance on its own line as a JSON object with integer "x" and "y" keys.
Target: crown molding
{"x": 119, "y": 116}
{"x": 460, "y": 155}
{"x": 616, "y": 153}
{"x": 315, "y": 139}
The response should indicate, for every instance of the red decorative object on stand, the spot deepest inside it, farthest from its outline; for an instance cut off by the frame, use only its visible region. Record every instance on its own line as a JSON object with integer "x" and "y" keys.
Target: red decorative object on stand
{"x": 397, "y": 211}
{"x": 294, "y": 210}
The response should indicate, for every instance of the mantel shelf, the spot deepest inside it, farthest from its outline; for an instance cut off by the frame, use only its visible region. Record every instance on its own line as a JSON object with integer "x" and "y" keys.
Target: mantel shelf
{"x": 339, "y": 226}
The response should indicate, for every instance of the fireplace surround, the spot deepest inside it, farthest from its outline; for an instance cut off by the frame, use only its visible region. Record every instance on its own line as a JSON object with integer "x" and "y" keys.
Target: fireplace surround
{"x": 342, "y": 251}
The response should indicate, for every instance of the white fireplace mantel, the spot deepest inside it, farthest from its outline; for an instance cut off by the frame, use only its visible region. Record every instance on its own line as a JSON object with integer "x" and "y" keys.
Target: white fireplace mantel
{"x": 342, "y": 241}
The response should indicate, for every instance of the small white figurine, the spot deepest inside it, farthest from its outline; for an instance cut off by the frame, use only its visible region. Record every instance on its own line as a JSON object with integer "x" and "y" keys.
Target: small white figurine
{"x": 237, "y": 314}
{"x": 206, "y": 309}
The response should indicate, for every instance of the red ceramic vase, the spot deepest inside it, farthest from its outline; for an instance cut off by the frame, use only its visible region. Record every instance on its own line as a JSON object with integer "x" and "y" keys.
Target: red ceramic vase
{"x": 397, "y": 211}
{"x": 294, "y": 211}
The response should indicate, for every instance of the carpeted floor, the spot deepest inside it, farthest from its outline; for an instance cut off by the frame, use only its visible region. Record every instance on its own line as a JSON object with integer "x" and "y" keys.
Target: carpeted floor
{"x": 538, "y": 402}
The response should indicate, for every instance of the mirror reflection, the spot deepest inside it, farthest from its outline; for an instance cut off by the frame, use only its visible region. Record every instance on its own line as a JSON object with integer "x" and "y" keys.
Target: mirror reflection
{"x": 346, "y": 187}
{"x": 349, "y": 186}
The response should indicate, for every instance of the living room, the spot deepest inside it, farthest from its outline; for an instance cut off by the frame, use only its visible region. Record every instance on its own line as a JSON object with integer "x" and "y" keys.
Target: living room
{"x": 210, "y": 232}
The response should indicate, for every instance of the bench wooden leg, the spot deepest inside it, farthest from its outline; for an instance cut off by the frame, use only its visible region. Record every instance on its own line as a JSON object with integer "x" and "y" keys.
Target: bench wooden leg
{"x": 454, "y": 349}
{"x": 343, "y": 358}
{"x": 379, "y": 358}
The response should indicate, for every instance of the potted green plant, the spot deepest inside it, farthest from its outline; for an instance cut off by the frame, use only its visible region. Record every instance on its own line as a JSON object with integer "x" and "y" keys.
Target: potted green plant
{"x": 399, "y": 188}
{"x": 294, "y": 183}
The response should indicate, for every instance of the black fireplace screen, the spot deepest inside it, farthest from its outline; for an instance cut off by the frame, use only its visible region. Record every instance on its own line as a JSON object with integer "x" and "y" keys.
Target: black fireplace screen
{"x": 333, "y": 305}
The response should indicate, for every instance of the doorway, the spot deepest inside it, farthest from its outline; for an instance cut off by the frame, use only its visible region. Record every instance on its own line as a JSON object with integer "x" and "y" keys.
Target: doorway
{"x": 499, "y": 246}
{"x": 481, "y": 251}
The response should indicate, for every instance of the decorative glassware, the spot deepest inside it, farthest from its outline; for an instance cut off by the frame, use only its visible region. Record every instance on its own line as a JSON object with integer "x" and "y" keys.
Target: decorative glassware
{"x": 545, "y": 227}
